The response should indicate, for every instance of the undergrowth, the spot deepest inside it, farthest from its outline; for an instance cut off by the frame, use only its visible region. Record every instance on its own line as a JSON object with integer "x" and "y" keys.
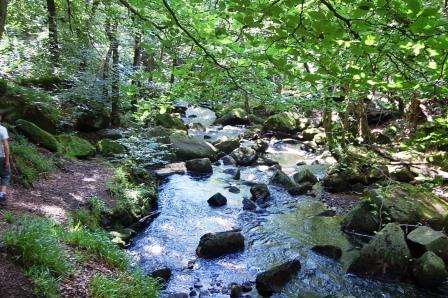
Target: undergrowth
{"x": 130, "y": 285}
{"x": 29, "y": 162}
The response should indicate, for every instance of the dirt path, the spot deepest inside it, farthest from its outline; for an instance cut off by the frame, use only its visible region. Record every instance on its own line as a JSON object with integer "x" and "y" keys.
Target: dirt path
{"x": 65, "y": 190}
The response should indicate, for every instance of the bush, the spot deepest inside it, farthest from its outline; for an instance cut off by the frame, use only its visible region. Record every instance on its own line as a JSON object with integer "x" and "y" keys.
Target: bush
{"x": 99, "y": 244}
{"x": 29, "y": 162}
{"x": 36, "y": 241}
{"x": 131, "y": 285}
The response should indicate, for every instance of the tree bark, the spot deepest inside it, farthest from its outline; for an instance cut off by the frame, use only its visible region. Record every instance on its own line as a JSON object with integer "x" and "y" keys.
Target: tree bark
{"x": 136, "y": 65}
{"x": 53, "y": 32}
{"x": 111, "y": 30}
{"x": 3, "y": 13}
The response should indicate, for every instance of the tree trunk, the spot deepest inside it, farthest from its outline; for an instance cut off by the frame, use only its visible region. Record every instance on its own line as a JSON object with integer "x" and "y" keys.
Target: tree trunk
{"x": 3, "y": 11}
{"x": 53, "y": 32}
{"x": 246, "y": 103}
{"x": 106, "y": 70}
{"x": 111, "y": 30}
{"x": 136, "y": 65}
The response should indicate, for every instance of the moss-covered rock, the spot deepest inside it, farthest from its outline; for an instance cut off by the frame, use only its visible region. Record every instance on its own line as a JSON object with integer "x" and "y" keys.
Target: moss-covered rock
{"x": 305, "y": 176}
{"x": 38, "y": 135}
{"x": 429, "y": 270}
{"x": 425, "y": 238}
{"x": 234, "y": 117}
{"x": 94, "y": 119}
{"x": 227, "y": 145}
{"x": 169, "y": 121}
{"x": 109, "y": 148}
{"x": 188, "y": 147}
{"x": 76, "y": 147}
{"x": 309, "y": 133}
{"x": 283, "y": 122}
{"x": 386, "y": 256}
{"x": 46, "y": 82}
{"x": 33, "y": 105}
{"x": 401, "y": 203}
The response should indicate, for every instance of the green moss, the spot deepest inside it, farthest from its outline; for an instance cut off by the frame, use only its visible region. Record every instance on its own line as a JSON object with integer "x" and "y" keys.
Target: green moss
{"x": 169, "y": 121}
{"x": 28, "y": 161}
{"x": 39, "y": 136}
{"x": 284, "y": 122}
{"x": 47, "y": 82}
{"x": 134, "y": 193}
{"x": 109, "y": 148}
{"x": 76, "y": 147}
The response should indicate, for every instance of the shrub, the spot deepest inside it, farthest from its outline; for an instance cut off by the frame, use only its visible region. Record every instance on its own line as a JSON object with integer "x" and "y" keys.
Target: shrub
{"x": 29, "y": 162}
{"x": 131, "y": 285}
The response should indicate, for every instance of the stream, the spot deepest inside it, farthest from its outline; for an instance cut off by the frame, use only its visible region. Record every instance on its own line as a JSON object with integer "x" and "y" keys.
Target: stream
{"x": 287, "y": 229}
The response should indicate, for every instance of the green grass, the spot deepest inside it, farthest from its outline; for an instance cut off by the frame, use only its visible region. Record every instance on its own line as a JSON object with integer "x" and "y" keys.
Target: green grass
{"x": 9, "y": 217}
{"x": 83, "y": 217}
{"x": 99, "y": 244}
{"x": 130, "y": 285}
{"x": 45, "y": 284}
{"x": 35, "y": 241}
{"x": 29, "y": 162}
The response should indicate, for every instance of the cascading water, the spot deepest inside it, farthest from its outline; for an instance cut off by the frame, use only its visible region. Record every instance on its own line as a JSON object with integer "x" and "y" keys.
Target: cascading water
{"x": 285, "y": 230}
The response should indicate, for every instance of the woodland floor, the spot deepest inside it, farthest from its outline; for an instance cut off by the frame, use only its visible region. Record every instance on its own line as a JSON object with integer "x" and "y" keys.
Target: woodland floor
{"x": 63, "y": 191}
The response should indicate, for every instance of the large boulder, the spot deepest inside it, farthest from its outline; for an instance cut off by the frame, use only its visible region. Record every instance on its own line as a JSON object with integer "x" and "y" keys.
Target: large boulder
{"x": 111, "y": 133}
{"x": 169, "y": 121}
{"x": 109, "y": 148}
{"x": 188, "y": 147}
{"x": 283, "y": 122}
{"x": 227, "y": 145}
{"x": 426, "y": 239}
{"x": 39, "y": 136}
{"x": 429, "y": 270}
{"x": 244, "y": 156}
{"x": 93, "y": 120}
{"x": 260, "y": 193}
{"x": 386, "y": 255}
{"x": 305, "y": 176}
{"x": 234, "y": 117}
{"x": 217, "y": 200}
{"x": 272, "y": 281}
{"x": 214, "y": 245}
{"x": 199, "y": 165}
{"x": 76, "y": 147}
{"x": 363, "y": 218}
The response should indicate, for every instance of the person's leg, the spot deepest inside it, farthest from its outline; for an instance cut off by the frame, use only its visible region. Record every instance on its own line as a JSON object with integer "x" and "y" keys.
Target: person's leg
{"x": 5, "y": 174}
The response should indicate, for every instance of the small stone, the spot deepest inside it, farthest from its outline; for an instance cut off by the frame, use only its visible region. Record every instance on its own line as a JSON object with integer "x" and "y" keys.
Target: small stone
{"x": 217, "y": 200}
{"x": 235, "y": 173}
{"x": 236, "y": 291}
{"x": 193, "y": 293}
{"x": 330, "y": 251}
{"x": 198, "y": 285}
{"x": 234, "y": 189}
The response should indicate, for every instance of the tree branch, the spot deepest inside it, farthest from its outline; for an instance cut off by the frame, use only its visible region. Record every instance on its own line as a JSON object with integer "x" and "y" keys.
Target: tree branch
{"x": 347, "y": 21}
{"x": 132, "y": 9}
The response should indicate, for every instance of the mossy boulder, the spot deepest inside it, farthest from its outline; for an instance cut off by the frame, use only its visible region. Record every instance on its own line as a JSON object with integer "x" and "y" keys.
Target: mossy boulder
{"x": 38, "y": 135}
{"x": 226, "y": 144}
{"x": 309, "y": 133}
{"x": 76, "y": 147}
{"x": 402, "y": 203}
{"x": 36, "y": 106}
{"x": 170, "y": 121}
{"x": 305, "y": 176}
{"x": 109, "y": 148}
{"x": 283, "y": 122}
{"x": 426, "y": 239}
{"x": 386, "y": 255}
{"x": 187, "y": 147}
{"x": 234, "y": 117}
{"x": 92, "y": 120}
{"x": 244, "y": 156}
{"x": 429, "y": 270}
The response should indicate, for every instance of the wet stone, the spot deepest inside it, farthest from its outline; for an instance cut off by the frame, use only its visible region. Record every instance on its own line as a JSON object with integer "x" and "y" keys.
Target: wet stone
{"x": 234, "y": 189}
{"x": 217, "y": 200}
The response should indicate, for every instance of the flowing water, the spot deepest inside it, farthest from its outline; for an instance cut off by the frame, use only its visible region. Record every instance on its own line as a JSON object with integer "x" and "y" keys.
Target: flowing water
{"x": 285, "y": 230}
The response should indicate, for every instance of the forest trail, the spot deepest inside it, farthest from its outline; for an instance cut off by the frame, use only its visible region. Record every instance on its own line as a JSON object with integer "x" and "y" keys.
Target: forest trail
{"x": 64, "y": 190}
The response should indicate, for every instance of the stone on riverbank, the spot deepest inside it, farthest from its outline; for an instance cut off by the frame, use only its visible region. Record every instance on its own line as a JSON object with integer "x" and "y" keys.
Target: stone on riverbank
{"x": 282, "y": 179}
{"x": 283, "y": 122}
{"x": 386, "y": 255}
{"x": 235, "y": 117}
{"x": 305, "y": 176}
{"x": 199, "y": 166}
{"x": 272, "y": 281}
{"x": 169, "y": 121}
{"x": 227, "y": 145}
{"x": 214, "y": 245}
